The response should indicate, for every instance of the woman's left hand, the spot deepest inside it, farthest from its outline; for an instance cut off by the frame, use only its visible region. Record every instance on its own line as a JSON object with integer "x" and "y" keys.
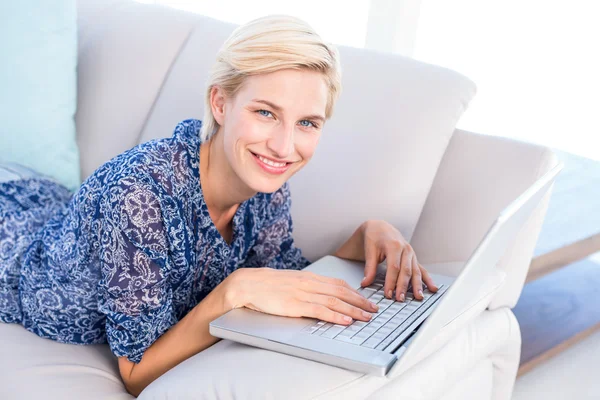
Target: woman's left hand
{"x": 375, "y": 241}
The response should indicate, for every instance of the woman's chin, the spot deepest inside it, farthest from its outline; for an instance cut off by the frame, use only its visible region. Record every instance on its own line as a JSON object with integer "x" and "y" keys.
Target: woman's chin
{"x": 259, "y": 182}
{"x": 266, "y": 187}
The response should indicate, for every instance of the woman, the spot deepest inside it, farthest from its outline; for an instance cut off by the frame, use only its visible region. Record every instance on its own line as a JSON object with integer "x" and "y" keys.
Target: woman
{"x": 171, "y": 234}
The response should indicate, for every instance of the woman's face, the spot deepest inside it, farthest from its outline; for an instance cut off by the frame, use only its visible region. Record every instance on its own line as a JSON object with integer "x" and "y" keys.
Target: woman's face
{"x": 275, "y": 119}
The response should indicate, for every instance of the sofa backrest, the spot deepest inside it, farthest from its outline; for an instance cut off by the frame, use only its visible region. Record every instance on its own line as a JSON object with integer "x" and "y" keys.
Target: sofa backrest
{"x": 142, "y": 69}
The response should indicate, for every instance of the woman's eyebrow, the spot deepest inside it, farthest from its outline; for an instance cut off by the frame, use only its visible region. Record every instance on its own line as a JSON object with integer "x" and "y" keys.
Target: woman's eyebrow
{"x": 279, "y": 109}
{"x": 272, "y": 105}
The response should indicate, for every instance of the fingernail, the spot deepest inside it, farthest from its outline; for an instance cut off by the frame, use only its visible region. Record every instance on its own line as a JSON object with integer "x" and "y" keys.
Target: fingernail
{"x": 347, "y": 318}
{"x": 363, "y": 280}
{"x": 389, "y": 293}
{"x": 374, "y": 306}
{"x": 366, "y": 314}
{"x": 401, "y": 296}
{"x": 420, "y": 293}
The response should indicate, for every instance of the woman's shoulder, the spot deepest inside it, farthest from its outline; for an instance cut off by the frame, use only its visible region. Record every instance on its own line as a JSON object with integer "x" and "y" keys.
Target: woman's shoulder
{"x": 150, "y": 163}
{"x": 188, "y": 130}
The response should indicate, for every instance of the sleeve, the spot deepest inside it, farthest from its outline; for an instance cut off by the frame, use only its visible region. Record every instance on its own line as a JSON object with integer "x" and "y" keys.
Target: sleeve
{"x": 275, "y": 246}
{"x": 134, "y": 291}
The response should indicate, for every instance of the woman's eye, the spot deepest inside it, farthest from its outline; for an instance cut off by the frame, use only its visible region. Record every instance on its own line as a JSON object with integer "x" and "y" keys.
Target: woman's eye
{"x": 309, "y": 123}
{"x": 266, "y": 113}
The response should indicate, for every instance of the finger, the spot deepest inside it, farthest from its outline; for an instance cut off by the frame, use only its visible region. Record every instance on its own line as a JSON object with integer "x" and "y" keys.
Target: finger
{"x": 338, "y": 305}
{"x": 405, "y": 274}
{"x": 319, "y": 311}
{"x": 393, "y": 256}
{"x": 416, "y": 279}
{"x": 338, "y": 290}
{"x": 371, "y": 261}
{"x": 431, "y": 286}
{"x": 331, "y": 281}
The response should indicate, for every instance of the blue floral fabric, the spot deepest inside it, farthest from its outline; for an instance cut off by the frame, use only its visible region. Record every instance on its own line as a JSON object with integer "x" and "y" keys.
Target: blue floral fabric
{"x": 133, "y": 250}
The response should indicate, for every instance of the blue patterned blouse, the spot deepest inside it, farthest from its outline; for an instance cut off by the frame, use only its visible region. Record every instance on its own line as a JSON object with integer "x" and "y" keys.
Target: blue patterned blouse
{"x": 132, "y": 251}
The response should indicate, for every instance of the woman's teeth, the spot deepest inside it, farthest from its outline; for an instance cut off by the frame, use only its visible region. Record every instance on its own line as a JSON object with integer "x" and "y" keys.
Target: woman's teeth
{"x": 271, "y": 163}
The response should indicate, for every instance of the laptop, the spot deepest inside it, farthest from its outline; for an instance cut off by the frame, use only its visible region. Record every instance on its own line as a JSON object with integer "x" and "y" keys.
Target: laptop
{"x": 398, "y": 330}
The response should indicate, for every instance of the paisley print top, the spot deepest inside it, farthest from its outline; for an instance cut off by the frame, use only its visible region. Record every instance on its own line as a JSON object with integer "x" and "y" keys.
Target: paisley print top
{"x": 133, "y": 250}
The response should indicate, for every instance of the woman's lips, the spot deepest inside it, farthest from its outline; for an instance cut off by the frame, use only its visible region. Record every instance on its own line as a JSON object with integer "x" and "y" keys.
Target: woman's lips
{"x": 270, "y": 168}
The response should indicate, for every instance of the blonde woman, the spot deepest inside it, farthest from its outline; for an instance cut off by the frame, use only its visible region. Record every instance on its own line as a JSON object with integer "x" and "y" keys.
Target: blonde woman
{"x": 175, "y": 232}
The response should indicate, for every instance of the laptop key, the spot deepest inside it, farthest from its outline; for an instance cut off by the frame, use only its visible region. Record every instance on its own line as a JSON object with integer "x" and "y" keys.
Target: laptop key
{"x": 352, "y": 340}
{"x": 310, "y": 329}
{"x": 376, "y": 298}
{"x": 385, "y": 302}
{"x": 346, "y": 333}
{"x": 367, "y": 292}
{"x": 365, "y": 333}
{"x": 353, "y": 328}
{"x": 392, "y": 324}
{"x": 357, "y": 340}
{"x": 368, "y": 331}
{"x": 371, "y": 343}
{"x": 380, "y": 334}
{"x": 333, "y": 331}
{"x": 345, "y": 339}
{"x": 377, "y": 323}
{"x": 322, "y": 329}
{"x": 360, "y": 324}
{"x": 396, "y": 307}
{"x": 377, "y": 313}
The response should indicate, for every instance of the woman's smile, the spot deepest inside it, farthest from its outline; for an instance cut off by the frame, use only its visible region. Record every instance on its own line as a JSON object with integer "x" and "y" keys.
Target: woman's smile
{"x": 271, "y": 166}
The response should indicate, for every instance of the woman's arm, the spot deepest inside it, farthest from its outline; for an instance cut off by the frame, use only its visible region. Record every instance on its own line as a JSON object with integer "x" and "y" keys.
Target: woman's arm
{"x": 353, "y": 248}
{"x": 135, "y": 291}
{"x": 183, "y": 340}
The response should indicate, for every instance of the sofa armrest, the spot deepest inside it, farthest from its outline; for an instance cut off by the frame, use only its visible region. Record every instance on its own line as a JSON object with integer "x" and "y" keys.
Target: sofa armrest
{"x": 479, "y": 175}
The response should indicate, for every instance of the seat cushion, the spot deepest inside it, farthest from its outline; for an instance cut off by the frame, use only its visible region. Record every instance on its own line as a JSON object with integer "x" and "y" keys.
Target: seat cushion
{"x": 32, "y": 367}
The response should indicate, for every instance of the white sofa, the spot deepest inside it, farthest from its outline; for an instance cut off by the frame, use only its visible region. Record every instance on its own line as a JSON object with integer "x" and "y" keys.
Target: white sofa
{"x": 390, "y": 151}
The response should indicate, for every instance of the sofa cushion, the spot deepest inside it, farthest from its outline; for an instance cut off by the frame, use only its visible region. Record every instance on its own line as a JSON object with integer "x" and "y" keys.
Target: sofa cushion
{"x": 57, "y": 370}
{"x": 237, "y": 371}
{"x": 38, "y": 43}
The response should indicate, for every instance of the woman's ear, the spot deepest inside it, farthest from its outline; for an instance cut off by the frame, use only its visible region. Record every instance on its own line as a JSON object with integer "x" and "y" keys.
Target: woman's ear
{"x": 217, "y": 104}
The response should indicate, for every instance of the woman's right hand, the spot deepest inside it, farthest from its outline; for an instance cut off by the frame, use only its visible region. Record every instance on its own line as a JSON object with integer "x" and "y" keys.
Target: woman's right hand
{"x": 293, "y": 293}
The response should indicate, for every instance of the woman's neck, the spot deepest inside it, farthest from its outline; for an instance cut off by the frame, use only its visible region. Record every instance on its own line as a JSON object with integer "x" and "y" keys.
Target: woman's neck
{"x": 222, "y": 189}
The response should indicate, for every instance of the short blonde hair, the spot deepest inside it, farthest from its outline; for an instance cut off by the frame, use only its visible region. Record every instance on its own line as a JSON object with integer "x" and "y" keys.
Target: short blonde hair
{"x": 270, "y": 44}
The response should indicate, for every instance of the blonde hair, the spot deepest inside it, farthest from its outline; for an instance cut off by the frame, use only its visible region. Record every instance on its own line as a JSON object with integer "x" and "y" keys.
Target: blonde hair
{"x": 270, "y": 44}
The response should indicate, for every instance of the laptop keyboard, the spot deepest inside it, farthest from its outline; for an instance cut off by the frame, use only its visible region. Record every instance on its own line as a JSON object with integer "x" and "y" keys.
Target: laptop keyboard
{"x": 392, "y": 318}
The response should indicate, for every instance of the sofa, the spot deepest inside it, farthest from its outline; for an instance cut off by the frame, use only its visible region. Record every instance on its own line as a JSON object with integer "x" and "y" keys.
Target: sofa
{"x": 391, "y": 151}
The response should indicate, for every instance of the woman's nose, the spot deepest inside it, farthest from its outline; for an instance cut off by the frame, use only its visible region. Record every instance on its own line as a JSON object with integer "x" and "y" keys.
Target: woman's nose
{"x": 282, "y": 142}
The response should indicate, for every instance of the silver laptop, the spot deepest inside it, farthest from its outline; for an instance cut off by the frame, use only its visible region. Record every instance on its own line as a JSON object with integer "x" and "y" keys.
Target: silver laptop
{"x": 398, "y": 330}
